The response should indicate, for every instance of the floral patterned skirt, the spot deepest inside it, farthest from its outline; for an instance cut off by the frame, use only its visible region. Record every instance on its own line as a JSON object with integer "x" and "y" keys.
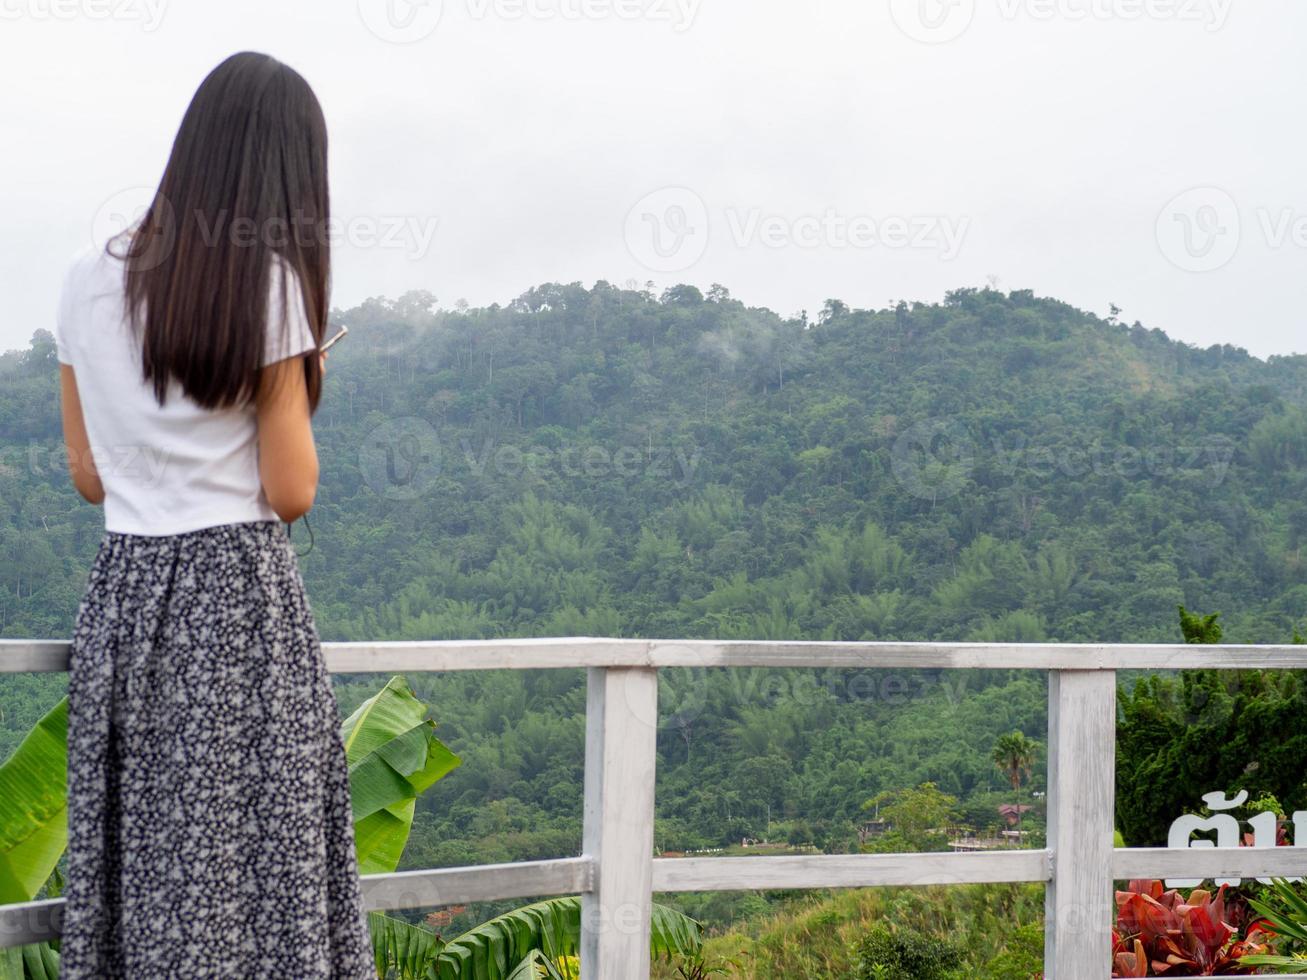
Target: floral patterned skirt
{"x": 209, "y": 826}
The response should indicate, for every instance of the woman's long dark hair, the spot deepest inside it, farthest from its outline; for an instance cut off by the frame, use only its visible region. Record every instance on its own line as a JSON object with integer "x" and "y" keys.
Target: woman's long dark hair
{"x": 245, "y": 185}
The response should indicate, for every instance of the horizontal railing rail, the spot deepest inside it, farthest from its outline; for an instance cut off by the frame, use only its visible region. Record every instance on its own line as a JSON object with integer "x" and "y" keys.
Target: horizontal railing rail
{"x": 22, "y": 656}
{"x": 617, "y": 874}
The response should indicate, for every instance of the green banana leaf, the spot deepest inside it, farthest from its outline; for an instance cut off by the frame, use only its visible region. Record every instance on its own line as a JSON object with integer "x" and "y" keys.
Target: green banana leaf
{"x": 34, "y": 807}
{"x": 537, "y": 966}
{"x": 394, "y": 757}
{"x": 402, "y": 951}
{"x": 530, "y": 943}
{"x": 496, "y": 950}
{"x": 33, "y": 831}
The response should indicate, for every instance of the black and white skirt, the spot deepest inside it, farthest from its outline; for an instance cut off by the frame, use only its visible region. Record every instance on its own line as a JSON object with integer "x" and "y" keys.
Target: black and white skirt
{"x": 209, "y": 826}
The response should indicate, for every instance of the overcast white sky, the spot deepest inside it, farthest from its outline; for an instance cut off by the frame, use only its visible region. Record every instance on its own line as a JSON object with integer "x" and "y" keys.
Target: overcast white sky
{"x": 1144, "y": 152}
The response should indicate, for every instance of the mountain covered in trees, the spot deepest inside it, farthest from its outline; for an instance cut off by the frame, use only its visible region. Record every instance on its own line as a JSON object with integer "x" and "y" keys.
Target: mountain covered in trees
{"x": 605, "y": 461}
{"x": 992, "y": 467}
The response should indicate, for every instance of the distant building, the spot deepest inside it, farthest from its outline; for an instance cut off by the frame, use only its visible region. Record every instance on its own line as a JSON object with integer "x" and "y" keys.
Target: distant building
{"x": 1011, "y": 812}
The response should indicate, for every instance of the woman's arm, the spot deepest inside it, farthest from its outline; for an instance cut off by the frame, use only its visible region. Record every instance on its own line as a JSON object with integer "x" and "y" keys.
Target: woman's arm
{"x": 288, "y": 460}
{"x": 80, "y": 464}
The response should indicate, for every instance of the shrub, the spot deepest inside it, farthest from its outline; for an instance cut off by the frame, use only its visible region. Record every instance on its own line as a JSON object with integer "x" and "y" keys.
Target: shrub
{"x": 1021, "y": 959}
{"x": 904, "y": 955}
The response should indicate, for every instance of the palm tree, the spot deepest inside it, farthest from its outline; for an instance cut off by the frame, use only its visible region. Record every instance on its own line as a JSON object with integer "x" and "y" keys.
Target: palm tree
{"x": 1015, "y": 754}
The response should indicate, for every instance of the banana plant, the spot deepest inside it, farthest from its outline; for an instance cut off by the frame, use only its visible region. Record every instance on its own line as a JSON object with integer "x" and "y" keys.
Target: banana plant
{"x": 34, "y": 807}
{"x": 33, "y": 831}
{"x": 393, "y": 757}
{"x": 536, "y": 942}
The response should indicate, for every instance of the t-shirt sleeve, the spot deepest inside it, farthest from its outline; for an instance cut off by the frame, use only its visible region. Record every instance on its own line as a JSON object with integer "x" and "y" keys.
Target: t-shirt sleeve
{"x": 288, "y": 332}
{"x": 66, "y": 312}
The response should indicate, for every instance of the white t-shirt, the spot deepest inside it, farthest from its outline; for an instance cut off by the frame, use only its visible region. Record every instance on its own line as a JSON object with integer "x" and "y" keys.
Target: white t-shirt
{"x": 176, "y": 467}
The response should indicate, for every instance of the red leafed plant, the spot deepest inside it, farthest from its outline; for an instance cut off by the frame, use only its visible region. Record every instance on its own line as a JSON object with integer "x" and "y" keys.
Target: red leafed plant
{"x": 1163, "y": 934}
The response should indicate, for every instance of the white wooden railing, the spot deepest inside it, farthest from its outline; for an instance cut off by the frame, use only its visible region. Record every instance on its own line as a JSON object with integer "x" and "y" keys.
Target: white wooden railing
{"x": 617, "y": 875}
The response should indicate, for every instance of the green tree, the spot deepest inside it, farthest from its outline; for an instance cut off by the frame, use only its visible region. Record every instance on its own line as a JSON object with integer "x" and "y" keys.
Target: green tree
{"x": 1203, "y": 731}
{"x": 917, "y": 817}
{"x": 1015, "y": 755}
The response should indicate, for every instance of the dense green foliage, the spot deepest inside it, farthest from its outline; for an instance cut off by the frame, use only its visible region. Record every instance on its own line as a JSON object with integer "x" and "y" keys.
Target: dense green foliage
{"x": 607, "y": 462}
{"x": 1204, "y": 731}
{"x": 995, "y": 930}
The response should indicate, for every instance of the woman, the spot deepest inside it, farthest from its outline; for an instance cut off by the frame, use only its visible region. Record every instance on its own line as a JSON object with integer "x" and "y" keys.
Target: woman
{"x": 209, "y": 827}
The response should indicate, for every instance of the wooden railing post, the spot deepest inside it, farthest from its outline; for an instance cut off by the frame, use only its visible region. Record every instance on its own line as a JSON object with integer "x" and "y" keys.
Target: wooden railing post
{"x": 620, "y": 752}
{"x": 1081, "y": 791}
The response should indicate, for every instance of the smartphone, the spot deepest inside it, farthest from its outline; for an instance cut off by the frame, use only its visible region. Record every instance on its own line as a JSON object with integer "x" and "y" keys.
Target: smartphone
{"x": 332, "y": 342}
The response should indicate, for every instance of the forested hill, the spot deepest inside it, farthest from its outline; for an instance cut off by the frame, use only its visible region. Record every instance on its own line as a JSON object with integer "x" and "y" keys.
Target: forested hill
{"x": 606, "y": 461}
